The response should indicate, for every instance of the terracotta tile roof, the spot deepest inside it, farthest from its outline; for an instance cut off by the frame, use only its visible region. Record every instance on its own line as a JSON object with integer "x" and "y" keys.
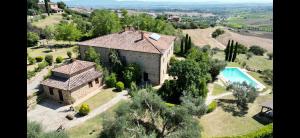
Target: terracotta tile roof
{"x": 131, "y": 40}
{"x": 73, "y": 67}
{"x": 72, "y": 82}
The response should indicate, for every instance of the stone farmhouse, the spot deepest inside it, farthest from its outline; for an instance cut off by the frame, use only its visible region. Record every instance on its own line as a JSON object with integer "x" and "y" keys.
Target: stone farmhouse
{"x": 72, "y": 81}
{"x": 53, "y": 7}
{"x": 150, "y": 50}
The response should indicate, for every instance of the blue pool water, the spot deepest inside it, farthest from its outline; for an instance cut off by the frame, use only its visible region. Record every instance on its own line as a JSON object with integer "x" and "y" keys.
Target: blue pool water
{"x": 236, "y": 75}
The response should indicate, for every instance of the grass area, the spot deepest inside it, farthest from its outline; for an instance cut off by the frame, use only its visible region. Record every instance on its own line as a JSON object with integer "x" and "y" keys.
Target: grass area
{"x": 43, "y": 51}
{"x": 99, "y": 99}
{"x": 49, "y": 20}
{"x": 258, "y": 62}
{"x": 259, "y": 78}
{"x": 222, "y": 123}
{"x": 218, "y": 89}
{"x": 85, "y": 129}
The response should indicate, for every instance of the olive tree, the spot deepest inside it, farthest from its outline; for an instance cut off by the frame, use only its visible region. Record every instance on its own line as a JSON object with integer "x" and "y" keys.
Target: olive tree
{"x": 244, "y": 94}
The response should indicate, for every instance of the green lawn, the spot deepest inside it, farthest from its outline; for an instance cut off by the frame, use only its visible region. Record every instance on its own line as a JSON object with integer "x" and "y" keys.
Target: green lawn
{"x": 49, "y": 20}
{"x": 218, "y": 89}
{"x": 259, "y": 78}
{"x": 220, "y": 123}
{"x": 258, "y": 62}
{"x": 43, "y": 51}
{"x": 84, "y": 130}
{"x": 99, "y": 99}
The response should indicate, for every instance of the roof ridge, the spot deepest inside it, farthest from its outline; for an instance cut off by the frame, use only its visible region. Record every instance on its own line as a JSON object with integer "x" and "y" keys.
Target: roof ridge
{"x": 152, "y": 44}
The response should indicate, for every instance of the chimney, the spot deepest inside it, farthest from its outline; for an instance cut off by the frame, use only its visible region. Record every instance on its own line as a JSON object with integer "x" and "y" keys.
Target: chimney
{"x": 142, "y": 35}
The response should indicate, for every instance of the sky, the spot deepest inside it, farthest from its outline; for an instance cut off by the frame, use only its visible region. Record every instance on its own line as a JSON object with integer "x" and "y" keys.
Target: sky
{"x": 201, "y": 1}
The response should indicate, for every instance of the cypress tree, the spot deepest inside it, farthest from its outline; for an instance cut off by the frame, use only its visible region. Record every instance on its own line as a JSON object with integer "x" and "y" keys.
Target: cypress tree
{"x": 181, "y": 47}
{"x": 231, "y": 51}
{"x": 235, "y": 52}
{"x": 190, "y": 43}
{"x": 186, "y": 43}
{"x": 227, "y": 50}
{"x": 47, "y": 7}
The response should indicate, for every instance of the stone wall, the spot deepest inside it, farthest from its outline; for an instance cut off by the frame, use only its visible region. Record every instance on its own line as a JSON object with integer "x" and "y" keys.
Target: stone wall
{"x": 149, "y": 62}
{"x": 55, "y": 96}
{"x": 165, "y": 60}
{"x": 84, "y": 90}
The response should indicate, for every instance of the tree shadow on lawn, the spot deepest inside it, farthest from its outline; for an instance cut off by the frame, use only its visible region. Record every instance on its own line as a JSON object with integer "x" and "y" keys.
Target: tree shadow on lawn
{"x": 37, "y": 47}
{"x": 259, "y": 117}
{"x": 47, "y": 51}
{"x": 230, "y": 106}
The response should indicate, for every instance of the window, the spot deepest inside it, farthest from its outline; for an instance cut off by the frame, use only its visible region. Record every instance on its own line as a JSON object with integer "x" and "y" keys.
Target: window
{"x": 90, "y": 84}
{"x": 51, "y": 91}
{"x": 97, "y": 80}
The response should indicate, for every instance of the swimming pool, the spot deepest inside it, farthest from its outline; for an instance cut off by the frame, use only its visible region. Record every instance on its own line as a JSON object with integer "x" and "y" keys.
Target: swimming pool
{"x": 233, "y": 74}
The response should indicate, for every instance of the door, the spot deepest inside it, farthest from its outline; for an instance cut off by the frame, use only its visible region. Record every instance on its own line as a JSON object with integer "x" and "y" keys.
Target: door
{"x": 145, "y": 76}
{"x": 61, "y": 98}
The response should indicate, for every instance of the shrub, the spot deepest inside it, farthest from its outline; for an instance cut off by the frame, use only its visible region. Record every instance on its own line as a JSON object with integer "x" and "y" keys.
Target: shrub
{"x": 59, "y": 59}
{"x": 172, "y": 60}
{"x": 30, "y": 74}
{"x": 133, "y": 88}
{"x": 244, "y": 64}
{"x": 84, "y": 109}
{"x": 270, "y": 55}
{"x": 48, "y": 75}
{"x": 69, "y": 53}
{"x": 217, "y": 32}
{"x": 49, "y": 59}
{"x": 132, "y": 72}
{"x": 249, "y": 55}
{"x": 43, "y": 16}
{"x": 41, "y": 66}
{"x": 32, "y": 39}
{"x": 31, "y": 60}
{"x": 120, "y": 86}
{"x": 111, "y": 80}
{"x": 169, "y": 104}
{"x": 212, "y": 106}
{"x": 257, "y": 50}
{"x": 39, "y": 59}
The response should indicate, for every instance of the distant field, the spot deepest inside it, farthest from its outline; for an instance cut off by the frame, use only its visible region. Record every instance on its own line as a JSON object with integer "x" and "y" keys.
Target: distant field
{"x": 246, "y": 40}
{"x": 201, "y": 37}
{"x": 49, "y": 20}
{"x": 259, "y": 20}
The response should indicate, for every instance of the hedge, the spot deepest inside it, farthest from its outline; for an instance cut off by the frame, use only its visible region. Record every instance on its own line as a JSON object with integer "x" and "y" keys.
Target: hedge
{"x": 39, "y": 59}
{"x": 212, "y": 106}
{"x": 265, "y": 132}
{"x": 59, "y": 59}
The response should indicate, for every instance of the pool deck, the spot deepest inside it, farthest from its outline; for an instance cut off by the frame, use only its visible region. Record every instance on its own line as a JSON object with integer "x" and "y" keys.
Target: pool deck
{"x": 260, "y": 85}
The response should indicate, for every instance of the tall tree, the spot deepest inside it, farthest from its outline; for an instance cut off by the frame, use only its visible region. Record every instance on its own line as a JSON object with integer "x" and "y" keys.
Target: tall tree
{"x": 186, "y": 43}
{"x": 182, "y": 46}
{"x": 190, "y": 43}
{"x": 227, "y": 50}
{"x": 231, "y": 50}
{"x": 105, "y": 22}
{"x": 235, "y": 52}
{"x": 47, "y": 7}
{"x": 67, "y": 32}
{"x": 148, "y": 116}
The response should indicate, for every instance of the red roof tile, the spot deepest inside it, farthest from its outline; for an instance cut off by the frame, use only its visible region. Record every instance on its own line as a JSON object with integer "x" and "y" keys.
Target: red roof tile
{"x": 131, "y": 40}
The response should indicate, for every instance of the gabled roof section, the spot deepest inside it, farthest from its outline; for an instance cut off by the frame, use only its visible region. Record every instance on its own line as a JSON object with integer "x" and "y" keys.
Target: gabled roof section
{"x": 75, "y": 66}
{"x": 131, "y": 40}
{"x": 72, "y": 82}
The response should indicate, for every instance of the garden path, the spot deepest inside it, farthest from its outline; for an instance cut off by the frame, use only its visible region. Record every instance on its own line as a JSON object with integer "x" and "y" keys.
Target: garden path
{"x": 52, "y": 114}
